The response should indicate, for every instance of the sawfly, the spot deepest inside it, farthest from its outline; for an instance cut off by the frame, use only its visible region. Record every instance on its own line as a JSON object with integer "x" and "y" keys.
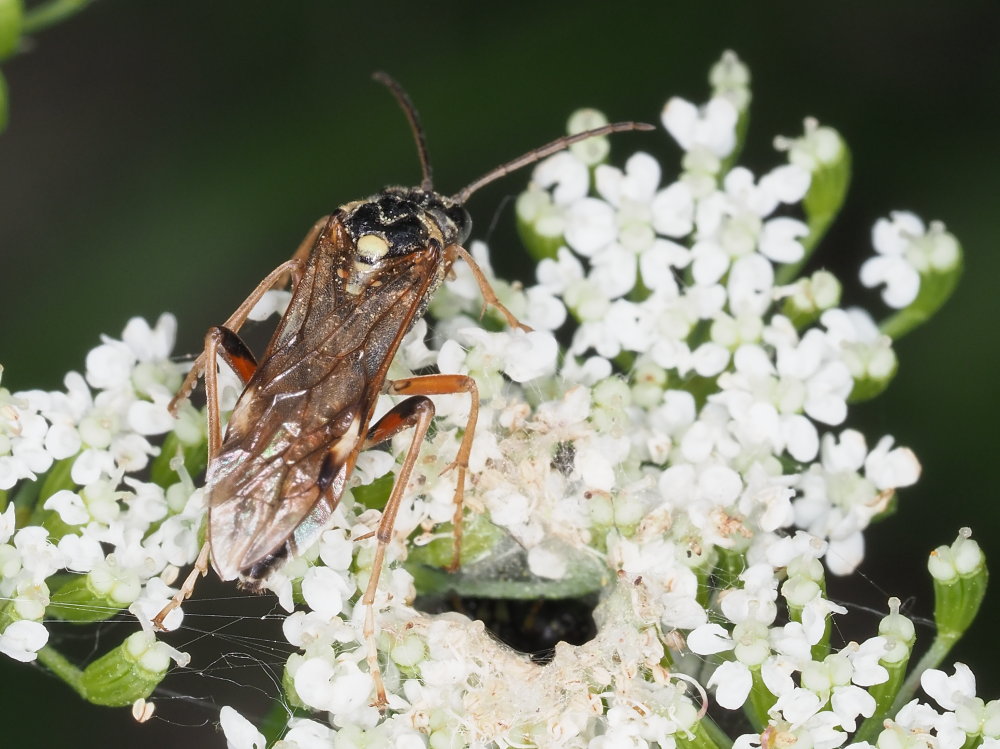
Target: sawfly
{"x": 360, "y": 279}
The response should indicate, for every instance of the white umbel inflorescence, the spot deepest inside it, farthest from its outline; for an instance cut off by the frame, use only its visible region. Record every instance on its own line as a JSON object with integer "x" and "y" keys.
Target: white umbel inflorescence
{"x": 685, "y": 455}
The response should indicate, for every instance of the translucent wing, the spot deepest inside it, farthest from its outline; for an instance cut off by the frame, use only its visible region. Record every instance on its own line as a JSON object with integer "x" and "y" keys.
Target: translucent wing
{"x": 296, "y": 430}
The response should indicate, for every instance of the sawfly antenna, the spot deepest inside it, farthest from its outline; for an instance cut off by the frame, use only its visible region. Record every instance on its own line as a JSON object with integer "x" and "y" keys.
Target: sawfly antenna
{"x": 414, "y": 119}
{"x": 537, "y": 154}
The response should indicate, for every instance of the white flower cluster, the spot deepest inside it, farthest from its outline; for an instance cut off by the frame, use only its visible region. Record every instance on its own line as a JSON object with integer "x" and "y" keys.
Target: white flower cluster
{"x": 688, "y": 422}
{"x": 681, "y": 455}
{"x": 120, "y": 532}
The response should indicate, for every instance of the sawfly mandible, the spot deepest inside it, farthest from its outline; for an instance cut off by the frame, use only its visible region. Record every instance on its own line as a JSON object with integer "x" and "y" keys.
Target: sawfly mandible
{"x": 360, "y": 279}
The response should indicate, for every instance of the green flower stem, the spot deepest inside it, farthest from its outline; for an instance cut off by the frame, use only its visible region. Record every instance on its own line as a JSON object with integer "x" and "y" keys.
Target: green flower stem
{"x": 759, "y": 702}
{"x": 126, "y": 673}
{"x": 705, "y": 735}
{"x": 195, "y": 460}
{"x": 822, "y": 204}
{"x": 24, "y": 500}
{"x": 712, "y": 733}
{"x": 76, "y": 601}
{"x": 728, "y": 568}
{"x": 883, "y": 694}
{"x": 56, "y": 662}
{"x": 51, "y": 13}
{"x": 935, "y": 288}
{"x": 960, "y": 577}
{"x": 742, "y": 127}
{"x": 275, "y": 722}
{"x": 57, "y": 479}
{"x": 937, "y": 652}
{"x": 902, "y": 323}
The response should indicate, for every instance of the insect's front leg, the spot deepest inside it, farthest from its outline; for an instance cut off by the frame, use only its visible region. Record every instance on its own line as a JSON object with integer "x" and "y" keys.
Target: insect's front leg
{"x": 489, "y": 296}
{"x": 290, "y": 269}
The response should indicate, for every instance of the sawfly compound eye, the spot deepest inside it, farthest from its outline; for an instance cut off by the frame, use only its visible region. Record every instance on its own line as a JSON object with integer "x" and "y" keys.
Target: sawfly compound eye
{"x": 372, "y": 246}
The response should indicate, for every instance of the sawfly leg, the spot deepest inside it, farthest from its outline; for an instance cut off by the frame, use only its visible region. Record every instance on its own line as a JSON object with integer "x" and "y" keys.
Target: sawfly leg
{"x": 447, "y": 384}
{"x": 489, "y": 296}
{"x": 416, "y": 412}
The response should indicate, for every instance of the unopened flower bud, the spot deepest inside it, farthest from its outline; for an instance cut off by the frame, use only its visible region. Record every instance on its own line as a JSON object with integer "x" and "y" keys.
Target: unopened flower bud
{"x": 592, "y": 151}
{"x": 960, "y": 575}
{"x": 130, "y": 671}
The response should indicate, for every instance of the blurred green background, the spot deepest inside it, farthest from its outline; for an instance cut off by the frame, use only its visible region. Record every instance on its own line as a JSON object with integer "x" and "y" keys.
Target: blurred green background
{"x": 165, "y": 156}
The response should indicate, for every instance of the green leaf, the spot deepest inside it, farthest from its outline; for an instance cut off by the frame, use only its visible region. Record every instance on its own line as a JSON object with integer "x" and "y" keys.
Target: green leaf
{"x": 376, "y": 494}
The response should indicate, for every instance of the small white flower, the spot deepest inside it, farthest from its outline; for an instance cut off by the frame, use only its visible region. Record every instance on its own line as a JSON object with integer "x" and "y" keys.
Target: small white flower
{"x": 7, "y": 523}
{"x": 340, "y": 688}
{"x": 308, "y": 734}
{"x": 273, "y": 302}
{"x": 325, "y": 590}
{"x": 82, "y": 553}
{"x": 559, "y": 274}
{"x": 867, "y": 352}
{"x": 39, "y": 557}
{"x": 712, "y": 127}
{"x": 530, "y": 355}
{"x": 906, "y": 250}
{"x": 891, "y": 468}
{"x": 949, "y": 691}
{"x": 240, "y": 732}
{"x": 591, "y": 225}
{"x": 23, "y": 639}
{"x": 565, "y": 176}
{"x": 818, "y": 148}
{"x": 709, "y": 639}
{"x": 70, "y": 507}
{"x": 838, "y": 502}
{"x": 22, "y": 441}
{"x": 732, "y": 682}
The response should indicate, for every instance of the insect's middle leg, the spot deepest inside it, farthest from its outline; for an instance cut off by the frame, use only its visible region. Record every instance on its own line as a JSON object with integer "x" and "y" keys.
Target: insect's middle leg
{"x": 437, "y": 384}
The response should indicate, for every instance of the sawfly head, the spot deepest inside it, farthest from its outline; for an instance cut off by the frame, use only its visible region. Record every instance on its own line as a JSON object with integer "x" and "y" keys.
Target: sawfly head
{"x": 402, "y": 220}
